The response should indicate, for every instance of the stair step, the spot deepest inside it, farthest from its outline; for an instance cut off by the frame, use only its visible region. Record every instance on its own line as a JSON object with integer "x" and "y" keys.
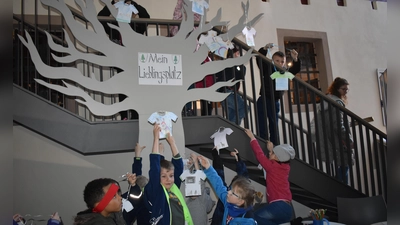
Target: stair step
{"x": 253, "y": 168}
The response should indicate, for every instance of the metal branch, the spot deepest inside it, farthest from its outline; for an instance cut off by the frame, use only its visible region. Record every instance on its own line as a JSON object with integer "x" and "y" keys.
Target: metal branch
{"x": 185, "y": 30}
{"x": 70, "y": 73}
{"x": 201, "y": 54}
{"x": 233, "y": 31}
{"x": 91, "y": 16}
{"x": 112, "y": 9}
{"x": 210, "y": 93}
{"x": 216, "y": 21}
{"x": 74, "y": 54}
{"x": 124, "y": 28}
{"x": 95, "y": 107}
{"x": 85, "y": 36}
{"x": 216, "y": 66}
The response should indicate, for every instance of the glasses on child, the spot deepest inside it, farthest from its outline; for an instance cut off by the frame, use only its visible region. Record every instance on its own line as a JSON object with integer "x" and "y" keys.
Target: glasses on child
{"x": 230, "y": 191}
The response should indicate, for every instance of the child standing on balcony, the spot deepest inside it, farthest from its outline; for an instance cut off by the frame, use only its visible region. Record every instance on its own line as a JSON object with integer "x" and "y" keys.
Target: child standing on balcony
{"x": 279, "y": 209}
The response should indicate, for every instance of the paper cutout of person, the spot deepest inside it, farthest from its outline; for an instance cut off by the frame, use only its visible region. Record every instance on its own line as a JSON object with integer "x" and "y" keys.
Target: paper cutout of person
{"x": 282, "y": 80}
{"x": 249, "y": 33}
{"x": 207, "y": 39}
{"x": 220, "y": 137}
{"x": 164, "y": 119}
{"x": 125, "y": 11}
{"x": 192, "y": 182}
{"x": 215, "y": 43}
{"x": 198, "y": 6}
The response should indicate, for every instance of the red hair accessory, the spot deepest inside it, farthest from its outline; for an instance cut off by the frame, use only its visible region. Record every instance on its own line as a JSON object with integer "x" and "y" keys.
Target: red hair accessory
{"x": 106, "y": 199}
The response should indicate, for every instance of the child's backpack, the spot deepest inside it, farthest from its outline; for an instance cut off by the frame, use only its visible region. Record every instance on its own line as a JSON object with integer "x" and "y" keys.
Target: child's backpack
{"x": 242, "y": 221}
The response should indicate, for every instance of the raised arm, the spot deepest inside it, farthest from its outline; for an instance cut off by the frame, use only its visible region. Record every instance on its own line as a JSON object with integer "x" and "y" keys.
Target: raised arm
{"x": 176, "y": 159}
{"x": 214, "y": 179}
{"x": 255, "y": 146}
{"x": 195, "y": 160}
{"x": 137, "y": 160}
{"x": 131, "y": 178}
{"x": 154, "y": 184}
{"x": 154, "y": 172}
{"x": 241, "y": 168}
{"x": 138, "y": 150}
{"x": 171, "y": 141}
{"x": 156, "y": 140}
{"x": 296, "y": 62}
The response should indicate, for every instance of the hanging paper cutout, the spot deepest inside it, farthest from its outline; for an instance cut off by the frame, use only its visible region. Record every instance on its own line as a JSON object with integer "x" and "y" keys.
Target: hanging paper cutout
{"x": 125, "y": 11}
{"x": 198, "y": 6}
{"x": 127, "y": 205}
{"x": 281, "y": 80}
{"x": 215, "y": 43}
{"x": 222, "y": 46}
{"x": 269, "y": 53}
{"x": 192, "y": 182}
{"x": 281, "y": 84}
{"x": 277, "y": 74}
{"x": 207, "y": 38}
{"x": 249, "y": 33}
{"x": 220, "y": 137}
{"x": 164, "y": 119}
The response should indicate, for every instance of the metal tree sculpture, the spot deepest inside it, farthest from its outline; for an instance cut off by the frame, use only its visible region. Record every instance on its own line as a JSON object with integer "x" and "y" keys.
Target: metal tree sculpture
{"x": 145, "y": 99}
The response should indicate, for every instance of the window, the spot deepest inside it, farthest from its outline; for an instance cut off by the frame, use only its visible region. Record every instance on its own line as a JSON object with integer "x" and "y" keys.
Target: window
{"x": 314, "y": 52}
{"x": 341, "y": 2}
{"x": 309, "y": 69}
{"x": 382, "y": 83}
{"x": 373, "y": 4}
{"x": 304, "y": 2}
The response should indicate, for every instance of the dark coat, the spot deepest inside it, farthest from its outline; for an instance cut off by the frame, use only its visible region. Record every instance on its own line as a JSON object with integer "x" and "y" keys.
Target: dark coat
{"x": 334, "y": 131}
{"x": 266, "y": 68}
{"x": 88, "y": 217}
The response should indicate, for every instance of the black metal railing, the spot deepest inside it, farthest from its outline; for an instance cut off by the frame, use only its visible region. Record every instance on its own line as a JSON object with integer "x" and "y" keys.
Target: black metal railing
{"x": 367, "y": 172}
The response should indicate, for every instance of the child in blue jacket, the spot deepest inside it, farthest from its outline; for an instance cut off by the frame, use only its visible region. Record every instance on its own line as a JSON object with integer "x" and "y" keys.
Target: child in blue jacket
{"x": 237, "y": 200}
{"x": 163, "y": 197}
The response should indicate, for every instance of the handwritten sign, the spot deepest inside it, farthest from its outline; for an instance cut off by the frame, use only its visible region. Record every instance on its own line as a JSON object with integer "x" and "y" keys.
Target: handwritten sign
{"x": 160, "y": 69}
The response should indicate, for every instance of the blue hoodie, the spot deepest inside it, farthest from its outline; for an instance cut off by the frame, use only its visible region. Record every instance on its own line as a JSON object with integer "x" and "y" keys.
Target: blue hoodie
{"x": 155, "y": 195}
{"x": 222, "y": 192}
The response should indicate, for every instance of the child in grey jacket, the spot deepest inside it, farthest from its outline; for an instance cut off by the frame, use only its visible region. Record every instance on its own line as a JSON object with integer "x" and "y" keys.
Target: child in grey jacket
{"x": 199, "y": 205}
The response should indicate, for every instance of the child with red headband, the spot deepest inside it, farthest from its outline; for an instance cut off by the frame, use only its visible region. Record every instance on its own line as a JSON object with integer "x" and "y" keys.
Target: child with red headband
{"x": 104, "y": 202}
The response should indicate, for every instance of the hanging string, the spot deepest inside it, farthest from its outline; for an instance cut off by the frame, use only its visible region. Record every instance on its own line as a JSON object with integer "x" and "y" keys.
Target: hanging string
{"x": 201, "y": 21}
{"x": 225, "y": 30}
{"x": 247, "y": 16}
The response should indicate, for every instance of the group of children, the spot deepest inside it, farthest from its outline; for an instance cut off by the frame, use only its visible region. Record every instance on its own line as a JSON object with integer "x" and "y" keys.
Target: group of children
{"x": 159, "y": 199}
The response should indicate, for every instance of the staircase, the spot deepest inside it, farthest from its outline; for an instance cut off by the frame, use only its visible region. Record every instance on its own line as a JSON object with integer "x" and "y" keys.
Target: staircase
{"x": 316, "y": 190}
{"x": 311, "y": 184}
